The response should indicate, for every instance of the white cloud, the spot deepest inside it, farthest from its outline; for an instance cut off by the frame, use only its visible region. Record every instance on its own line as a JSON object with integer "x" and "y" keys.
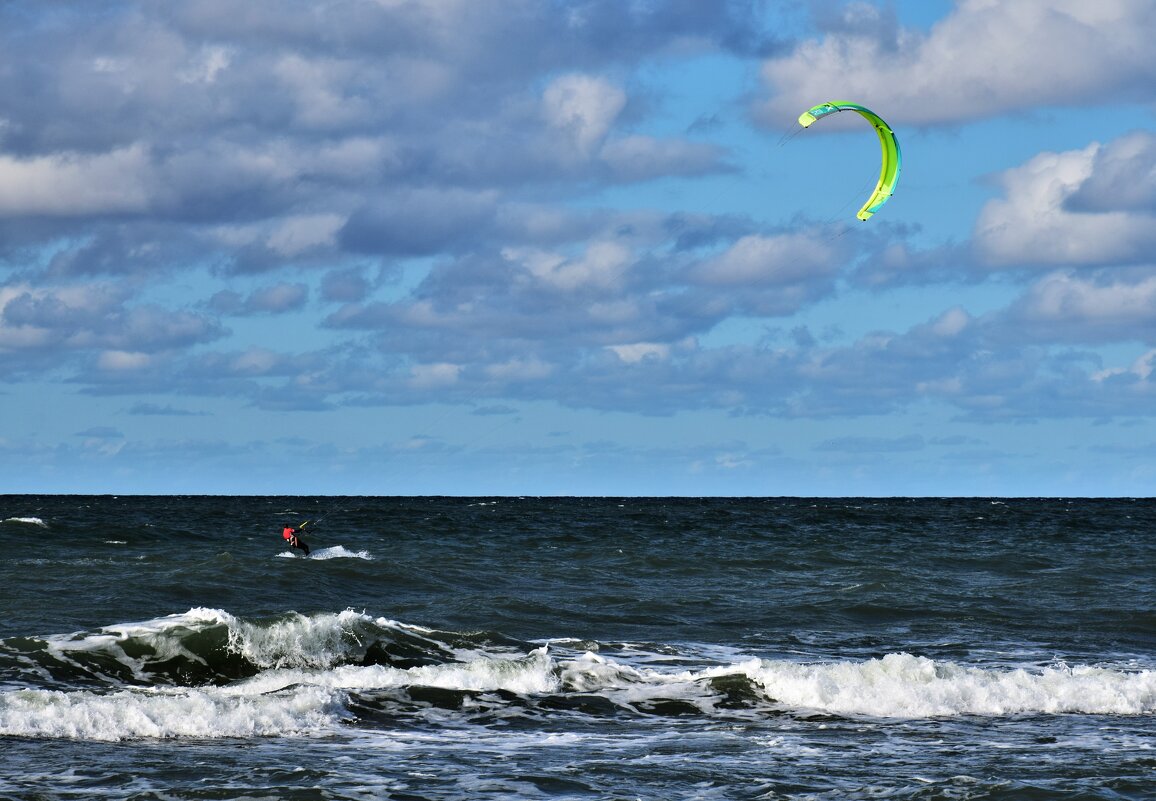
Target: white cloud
{"x": 71, "y": 184}
{"x": 986, "y": 57}
{"x": 520, "y": 369}
{"x": 600, "y": 265}
{"x": 1123, "y": 177}
{"x": 119, "y": 361}
{"x": 32, "y": 317}
{"x": 636, "y": 352}
{"x": 583, "y": 107}
{"x": 1033, "y": 224}
{"x": 206, "y": 65}
{"x": 951, "y": 323}
{"x": 320, "y": 90}
{"x": 84, "y": 317}
{"x": 296, "y": 234}
{"x": 1142, "y": 368}
{"x": 432, "y": 376}
{"x": 1064, "y": 307}
{"x": 255, "y": 361}
{"x": 355, "y": 159}
{"x": 1145, "y": 365}
{"x": 757, "y": 260}
{"x": 277, "y": 298}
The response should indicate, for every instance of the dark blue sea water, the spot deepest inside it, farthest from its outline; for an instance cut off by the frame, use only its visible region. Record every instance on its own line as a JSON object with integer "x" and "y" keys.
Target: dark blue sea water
{"x": 565, "y": 648}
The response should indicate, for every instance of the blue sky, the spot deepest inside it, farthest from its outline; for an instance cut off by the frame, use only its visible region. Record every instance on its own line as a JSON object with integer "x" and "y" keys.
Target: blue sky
{"x": 547, "y": 247}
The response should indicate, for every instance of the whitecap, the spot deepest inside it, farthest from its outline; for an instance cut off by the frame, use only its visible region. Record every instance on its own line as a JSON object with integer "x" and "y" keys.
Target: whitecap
{"x": 161, "y": 714}
{"x": 907, "y": 686}
{"x": 27, "y": 521}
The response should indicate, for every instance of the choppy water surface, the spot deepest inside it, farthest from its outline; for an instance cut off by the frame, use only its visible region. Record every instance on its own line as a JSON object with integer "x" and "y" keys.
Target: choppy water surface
{"x": 471, "y": 648}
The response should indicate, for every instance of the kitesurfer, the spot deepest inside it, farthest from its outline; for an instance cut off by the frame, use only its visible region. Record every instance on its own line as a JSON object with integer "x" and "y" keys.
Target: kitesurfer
{"x": 290, "y": 535}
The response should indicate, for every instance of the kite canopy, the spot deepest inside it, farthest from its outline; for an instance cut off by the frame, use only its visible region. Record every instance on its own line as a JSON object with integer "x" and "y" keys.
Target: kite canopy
{"x": 889, "y": 174}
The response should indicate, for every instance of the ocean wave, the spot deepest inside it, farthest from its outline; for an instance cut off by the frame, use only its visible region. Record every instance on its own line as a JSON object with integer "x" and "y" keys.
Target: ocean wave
{"x": 212, "y": 646}
{"x": 208, "y": 673}
{"x": 326, "y": 640}
{"x": 26, "y": 521}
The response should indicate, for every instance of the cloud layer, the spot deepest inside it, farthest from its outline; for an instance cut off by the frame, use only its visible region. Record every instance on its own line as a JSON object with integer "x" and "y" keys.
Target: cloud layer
{"x": 302, "y": 206}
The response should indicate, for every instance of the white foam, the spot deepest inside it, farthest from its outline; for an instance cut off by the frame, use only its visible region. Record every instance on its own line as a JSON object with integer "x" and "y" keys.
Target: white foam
{"x": 333, "y": 552}
{"x": 136, "y": 714}
{"x": 322, "y": 641}
{"x": 533, "y": 674}
{"x": 194, "y": 618}
{"x": 339, "y": 552}
{"x": 906, "y": 686}
{"x": 28, "y": 521}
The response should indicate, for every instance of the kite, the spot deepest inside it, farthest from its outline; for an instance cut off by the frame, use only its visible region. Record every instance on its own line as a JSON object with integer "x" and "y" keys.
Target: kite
{"x": 889, "y": 173}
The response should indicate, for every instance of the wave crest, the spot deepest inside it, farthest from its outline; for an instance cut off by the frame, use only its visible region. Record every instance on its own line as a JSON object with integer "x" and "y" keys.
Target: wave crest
{"x": 207, "y": 673}
{"x": 907, "y": 686}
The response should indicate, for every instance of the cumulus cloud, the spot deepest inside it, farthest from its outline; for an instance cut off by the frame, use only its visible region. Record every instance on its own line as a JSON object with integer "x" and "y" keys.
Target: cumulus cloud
{"x": 984, "y": 58}
{"x": 1121, "y": 177}
{"x": 775, "y": 260}
{"x": 771, "y": 275}
{"x": 1044, "y": 215}
{"x": 1067, "y": 308}
{"x": 601, "y": 264}
{"x": 73, "y": 184}
{"x": 582, "y": 108}
{"x": 1090, "y": 209}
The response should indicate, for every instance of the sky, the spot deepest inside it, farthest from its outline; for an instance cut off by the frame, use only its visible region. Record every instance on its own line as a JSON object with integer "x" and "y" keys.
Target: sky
{"x": 576, "y": 247}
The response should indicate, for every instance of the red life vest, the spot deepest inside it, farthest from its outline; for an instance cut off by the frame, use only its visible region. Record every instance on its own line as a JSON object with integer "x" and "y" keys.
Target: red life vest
{"x": 288, "y": 533}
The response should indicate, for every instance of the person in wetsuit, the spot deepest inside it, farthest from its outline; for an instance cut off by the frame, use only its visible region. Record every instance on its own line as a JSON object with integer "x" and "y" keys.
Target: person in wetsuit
{"x": 290, "y": 535}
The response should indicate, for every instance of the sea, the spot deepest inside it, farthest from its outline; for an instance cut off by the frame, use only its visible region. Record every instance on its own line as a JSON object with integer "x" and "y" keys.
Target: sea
{"x": 577, "y": 648}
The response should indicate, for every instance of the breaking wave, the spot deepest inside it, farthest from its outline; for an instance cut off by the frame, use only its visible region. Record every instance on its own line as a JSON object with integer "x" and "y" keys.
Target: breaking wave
{"x": 27, "y": 521}
{"x": 208, "y": 674}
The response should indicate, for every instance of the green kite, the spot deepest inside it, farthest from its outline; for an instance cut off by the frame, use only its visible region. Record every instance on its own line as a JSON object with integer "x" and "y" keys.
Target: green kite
{"x": 889, "y": 174}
